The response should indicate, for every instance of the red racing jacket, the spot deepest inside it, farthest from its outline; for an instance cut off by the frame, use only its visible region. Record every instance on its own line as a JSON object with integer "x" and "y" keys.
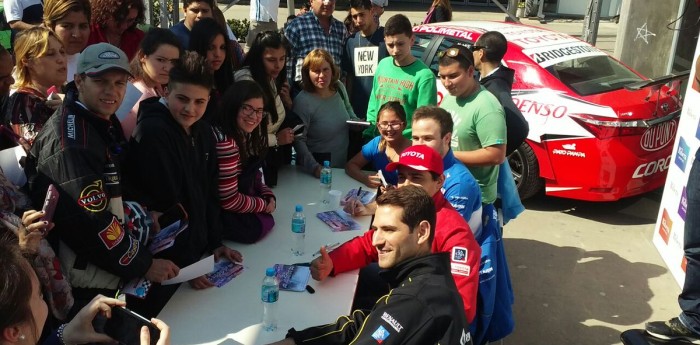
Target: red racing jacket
{"x": 452, "y": 235}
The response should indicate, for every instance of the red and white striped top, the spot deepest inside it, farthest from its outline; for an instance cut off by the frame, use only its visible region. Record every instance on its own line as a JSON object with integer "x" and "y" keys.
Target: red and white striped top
{"x": 230, "y": 167}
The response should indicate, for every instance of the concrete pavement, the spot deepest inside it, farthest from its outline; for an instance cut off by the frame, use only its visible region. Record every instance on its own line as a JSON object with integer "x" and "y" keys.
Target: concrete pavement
{"x": 582, "y": 272}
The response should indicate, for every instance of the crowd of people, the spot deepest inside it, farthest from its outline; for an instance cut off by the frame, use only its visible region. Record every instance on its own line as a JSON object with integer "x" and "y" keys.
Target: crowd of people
{"x": 130, "y": 126}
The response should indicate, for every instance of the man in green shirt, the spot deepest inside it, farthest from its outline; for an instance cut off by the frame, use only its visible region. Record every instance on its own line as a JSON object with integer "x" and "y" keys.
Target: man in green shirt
{"x": 400, "y": 77}
{"x": 479, "y": 138}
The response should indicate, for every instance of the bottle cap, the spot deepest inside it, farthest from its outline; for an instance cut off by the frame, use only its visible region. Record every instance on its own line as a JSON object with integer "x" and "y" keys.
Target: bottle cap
{"x": 299, "y": 208}
{"x": 326, "y": 164}
{"x": 270, "y": 272}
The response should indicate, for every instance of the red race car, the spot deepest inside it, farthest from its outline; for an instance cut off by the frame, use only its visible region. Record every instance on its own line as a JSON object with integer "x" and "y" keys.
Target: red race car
{"x": 590, "y": 138}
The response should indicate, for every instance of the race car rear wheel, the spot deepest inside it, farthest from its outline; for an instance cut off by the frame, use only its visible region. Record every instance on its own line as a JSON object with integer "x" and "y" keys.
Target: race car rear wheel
{"x": 526, "y": 171}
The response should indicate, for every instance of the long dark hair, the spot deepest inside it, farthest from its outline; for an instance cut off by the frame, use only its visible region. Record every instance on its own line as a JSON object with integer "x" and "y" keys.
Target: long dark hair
{"x": 154, "y": 38}
{"x": 203, "y": 34}
{"x": 254, "y": 61}
{"x": 227, "y": 114}
{"x": 16, "y": 288}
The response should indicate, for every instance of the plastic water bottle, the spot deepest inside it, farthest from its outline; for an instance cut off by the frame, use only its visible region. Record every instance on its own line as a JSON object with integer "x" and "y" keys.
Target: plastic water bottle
{"x": 270, "y": 294}
{"x": 326, "y": 182}
{"x": 298, "y": 230}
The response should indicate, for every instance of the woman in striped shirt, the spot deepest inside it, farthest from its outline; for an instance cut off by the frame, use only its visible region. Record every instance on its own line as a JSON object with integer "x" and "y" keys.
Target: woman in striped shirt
{"x": 241, "y": 145}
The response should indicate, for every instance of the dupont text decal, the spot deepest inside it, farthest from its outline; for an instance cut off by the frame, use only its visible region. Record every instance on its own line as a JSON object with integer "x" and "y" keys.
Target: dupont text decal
{"x": 657, "y": 137}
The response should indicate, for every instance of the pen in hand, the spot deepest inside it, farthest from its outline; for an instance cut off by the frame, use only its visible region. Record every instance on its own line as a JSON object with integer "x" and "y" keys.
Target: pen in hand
{"x": 329, "y": 248}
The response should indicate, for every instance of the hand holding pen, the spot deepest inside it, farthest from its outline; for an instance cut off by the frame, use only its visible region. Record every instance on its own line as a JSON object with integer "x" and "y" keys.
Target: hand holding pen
{"x": 322, "y": 267}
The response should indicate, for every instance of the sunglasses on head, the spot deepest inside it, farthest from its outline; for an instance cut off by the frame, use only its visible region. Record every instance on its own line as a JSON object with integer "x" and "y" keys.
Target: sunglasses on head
{"x": 454, "y": 52}
{"x": 475, "y": 48}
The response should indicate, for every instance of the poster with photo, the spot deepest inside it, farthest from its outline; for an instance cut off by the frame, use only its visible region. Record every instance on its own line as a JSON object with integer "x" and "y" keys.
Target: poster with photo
{"x": 668, "y": 231}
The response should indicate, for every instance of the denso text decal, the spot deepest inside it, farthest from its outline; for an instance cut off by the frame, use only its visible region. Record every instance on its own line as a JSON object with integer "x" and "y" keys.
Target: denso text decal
{"x": 538, "y": 108}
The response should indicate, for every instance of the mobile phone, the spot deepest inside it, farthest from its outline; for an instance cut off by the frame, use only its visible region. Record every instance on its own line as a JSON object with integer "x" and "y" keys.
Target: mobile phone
{"x": 125, "y": 327}
{"x": 51, "y": 92}
{"x": 50, "y": 202}
{"x": 172, "y": 215}
{"x": 298, "y": 129}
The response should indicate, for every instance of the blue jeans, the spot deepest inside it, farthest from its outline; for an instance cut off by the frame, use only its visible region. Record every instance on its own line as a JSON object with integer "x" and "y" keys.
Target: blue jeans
{"x": 689, "y": 299}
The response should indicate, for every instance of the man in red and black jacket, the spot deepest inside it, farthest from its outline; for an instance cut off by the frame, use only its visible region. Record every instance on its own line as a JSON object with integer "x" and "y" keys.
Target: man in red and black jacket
{"x": 80, "y": 151}
{"x": 421, "y": 166}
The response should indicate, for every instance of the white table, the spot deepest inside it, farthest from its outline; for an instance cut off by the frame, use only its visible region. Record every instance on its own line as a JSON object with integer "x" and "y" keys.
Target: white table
{"x": 232, "y": 314}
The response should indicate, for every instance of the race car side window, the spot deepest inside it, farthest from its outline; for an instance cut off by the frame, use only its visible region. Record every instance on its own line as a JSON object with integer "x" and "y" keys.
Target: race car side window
{"x": 446, "y": 43}
{"x": 420, "y": 46}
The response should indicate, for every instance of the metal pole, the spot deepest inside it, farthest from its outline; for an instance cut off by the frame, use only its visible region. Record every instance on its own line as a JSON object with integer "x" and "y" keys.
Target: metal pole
{"x": 591, "y": 21}
{"x": 512, "y": 8}
{"x": 290, "y": 8}
{"x": 511, "y": 16}
{"x": 164, "y": 23}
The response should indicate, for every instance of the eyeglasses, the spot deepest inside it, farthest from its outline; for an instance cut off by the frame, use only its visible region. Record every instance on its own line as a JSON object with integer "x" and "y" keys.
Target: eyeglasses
{"x": 392, "y": 125}
{"x": 252, "y": 113}
{"x": 475, "y": 48}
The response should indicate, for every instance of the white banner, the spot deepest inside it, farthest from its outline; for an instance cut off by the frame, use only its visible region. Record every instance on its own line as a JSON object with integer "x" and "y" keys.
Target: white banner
{"x": 668, "y": 232}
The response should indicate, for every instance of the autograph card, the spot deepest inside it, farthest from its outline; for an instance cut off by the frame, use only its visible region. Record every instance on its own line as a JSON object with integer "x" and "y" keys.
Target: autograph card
{"x": 338, "y": 221}
{"x": 224, "y": 272}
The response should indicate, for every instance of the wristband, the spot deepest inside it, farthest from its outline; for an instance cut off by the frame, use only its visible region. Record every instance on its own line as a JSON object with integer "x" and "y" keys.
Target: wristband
{"x": 59, "y": 333}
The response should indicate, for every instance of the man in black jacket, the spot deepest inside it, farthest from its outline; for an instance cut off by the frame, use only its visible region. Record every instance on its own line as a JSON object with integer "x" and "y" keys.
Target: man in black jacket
{"x": 424, "y": 306}
{"x": 80, "y": 151}
{"x": 172, "y": 161}
{"x": 489, "y": 50}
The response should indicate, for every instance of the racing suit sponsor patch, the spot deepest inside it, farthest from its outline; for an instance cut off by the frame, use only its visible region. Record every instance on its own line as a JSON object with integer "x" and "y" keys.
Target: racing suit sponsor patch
{"x": 112, "y": 234}
{"x": 380, "y": 334}
{"x": 93, "y": 197}
{"x": 131, "y": 253}
{"x": 461, "y": 269}
{"x": 392, "y": 322}
{"x": 459, "y": 254}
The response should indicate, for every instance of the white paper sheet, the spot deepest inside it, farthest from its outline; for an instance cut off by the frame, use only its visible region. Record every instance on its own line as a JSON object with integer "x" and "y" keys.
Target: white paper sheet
{"x": 131, "y": 96}
{"x": 192, "y": 271}
{"x": 9, "y": 162}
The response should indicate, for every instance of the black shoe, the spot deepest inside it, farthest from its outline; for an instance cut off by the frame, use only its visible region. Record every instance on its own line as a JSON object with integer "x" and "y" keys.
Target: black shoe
{"x": 671, "y": 330}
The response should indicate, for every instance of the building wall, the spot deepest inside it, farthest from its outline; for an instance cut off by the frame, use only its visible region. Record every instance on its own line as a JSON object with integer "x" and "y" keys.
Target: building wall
{"x": 578, "y": 7}
{"x": 644, "y": 42}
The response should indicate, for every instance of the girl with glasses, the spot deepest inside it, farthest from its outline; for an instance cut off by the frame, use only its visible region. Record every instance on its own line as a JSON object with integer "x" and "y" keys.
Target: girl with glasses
{"x": 324, "y": 109}
{"x": 265, "y": 64}
{"x": 114, "y": 22}
{"x": 383, "y": 149}
{"x": 240, "y": 128}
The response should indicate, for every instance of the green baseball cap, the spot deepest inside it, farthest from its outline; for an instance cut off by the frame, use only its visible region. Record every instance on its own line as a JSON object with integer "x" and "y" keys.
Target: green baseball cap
{"x": 102, "y": 57}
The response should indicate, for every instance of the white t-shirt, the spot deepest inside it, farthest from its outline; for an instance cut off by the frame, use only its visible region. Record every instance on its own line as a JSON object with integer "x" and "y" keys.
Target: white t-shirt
{"x": 71, "y": 66}
{"x": 29, "y": 11}
{"x": 264, "y": 10}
